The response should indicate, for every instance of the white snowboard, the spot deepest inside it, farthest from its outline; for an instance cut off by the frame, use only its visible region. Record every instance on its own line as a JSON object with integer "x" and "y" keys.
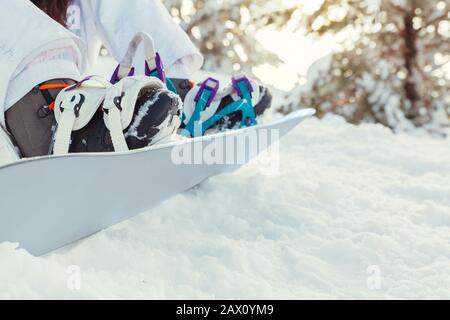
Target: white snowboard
{"x": 49, "y": 202}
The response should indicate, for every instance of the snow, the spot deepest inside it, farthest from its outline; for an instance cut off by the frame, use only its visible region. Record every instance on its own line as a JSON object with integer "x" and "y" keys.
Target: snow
{"x": 353, "y": 212}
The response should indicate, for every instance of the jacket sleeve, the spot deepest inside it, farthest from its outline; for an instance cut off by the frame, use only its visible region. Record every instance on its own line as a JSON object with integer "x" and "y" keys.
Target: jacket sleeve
{"x": 117, "y": 21}
{"x": 33, "y": 49}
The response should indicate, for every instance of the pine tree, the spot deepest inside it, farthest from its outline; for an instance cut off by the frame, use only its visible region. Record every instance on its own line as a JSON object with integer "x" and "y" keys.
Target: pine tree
{"x": 224, "y": 30}
{"x": 391, "y": 66}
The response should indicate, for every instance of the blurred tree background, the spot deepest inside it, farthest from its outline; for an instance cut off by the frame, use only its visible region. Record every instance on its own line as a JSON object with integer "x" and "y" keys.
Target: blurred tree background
{"x": 390, "y": 67}
{"x": 224, "y": 30}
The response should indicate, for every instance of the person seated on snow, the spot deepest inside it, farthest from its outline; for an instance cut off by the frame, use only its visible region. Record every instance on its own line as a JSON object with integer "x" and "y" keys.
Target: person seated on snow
{"x": 50, "y": 109}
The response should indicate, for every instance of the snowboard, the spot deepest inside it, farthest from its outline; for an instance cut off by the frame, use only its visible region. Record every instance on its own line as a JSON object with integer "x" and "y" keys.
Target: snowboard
{"x": 49, "y": 202}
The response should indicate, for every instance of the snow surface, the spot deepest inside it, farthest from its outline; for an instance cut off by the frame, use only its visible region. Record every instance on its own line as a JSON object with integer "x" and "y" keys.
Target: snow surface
{"x": 354, "y": 212}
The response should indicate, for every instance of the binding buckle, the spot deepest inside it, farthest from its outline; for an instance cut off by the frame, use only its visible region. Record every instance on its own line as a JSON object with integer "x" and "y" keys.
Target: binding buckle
{"x": 240, "y": 83}
{"x": 209, "y": 87}
{"x": 75, "y": 106}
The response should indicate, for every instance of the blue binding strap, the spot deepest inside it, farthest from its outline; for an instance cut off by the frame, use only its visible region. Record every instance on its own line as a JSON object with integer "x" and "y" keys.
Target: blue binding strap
{"x": 244, "y": 89}
{"x": 203, "y": 99}
{"x": 206, "y": 95}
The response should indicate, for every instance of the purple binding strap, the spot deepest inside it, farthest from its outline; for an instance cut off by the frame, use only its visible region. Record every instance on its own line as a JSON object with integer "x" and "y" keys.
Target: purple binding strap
{"x": 78, "y": 84}
{"x": 209, "y": 84}
{"x": 159, "y": 68}
{"x": 115, "y": 77}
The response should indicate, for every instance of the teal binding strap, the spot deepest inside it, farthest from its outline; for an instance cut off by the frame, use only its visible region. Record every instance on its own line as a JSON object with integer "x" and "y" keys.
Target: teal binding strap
{"x": 204, "y": 98}
{"x": 206, "y": 95}
{"x": 248, "y": 114}
{"x": 244, "y": 89}
{"x": 169, "y": 83}
{"x": 159, "y": 72}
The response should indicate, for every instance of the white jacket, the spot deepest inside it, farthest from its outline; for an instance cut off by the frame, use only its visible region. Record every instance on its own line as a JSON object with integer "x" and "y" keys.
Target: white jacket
{"x": 33, "y": 47}
{"x": 113, "y": 23}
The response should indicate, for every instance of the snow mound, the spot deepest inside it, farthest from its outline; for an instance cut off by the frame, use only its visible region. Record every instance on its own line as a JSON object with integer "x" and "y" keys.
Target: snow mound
{"x": 354, "y": 212}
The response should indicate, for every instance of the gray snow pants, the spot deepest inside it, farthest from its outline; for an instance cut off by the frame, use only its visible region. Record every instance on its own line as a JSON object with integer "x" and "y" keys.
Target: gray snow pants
{"x": 31, "y": 123}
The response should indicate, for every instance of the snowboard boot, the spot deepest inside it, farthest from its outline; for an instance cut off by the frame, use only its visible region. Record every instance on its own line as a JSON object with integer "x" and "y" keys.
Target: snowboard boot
{"x": 96, "y": 116}
{"x": 208, "y": 109}
{"x": 156, "y": 116}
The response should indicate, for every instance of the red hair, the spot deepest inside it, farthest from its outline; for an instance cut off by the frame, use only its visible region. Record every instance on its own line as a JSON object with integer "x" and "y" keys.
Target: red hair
{"x": 56, "y": 9}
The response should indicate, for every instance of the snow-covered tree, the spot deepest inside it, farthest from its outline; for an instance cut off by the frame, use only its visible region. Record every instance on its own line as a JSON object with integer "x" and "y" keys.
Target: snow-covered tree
{"x": 224, "y": 30}
{"x": 393, "y": 66}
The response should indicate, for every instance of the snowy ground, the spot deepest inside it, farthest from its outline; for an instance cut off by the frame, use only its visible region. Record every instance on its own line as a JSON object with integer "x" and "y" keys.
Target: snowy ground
{"x": 355, "y": 212}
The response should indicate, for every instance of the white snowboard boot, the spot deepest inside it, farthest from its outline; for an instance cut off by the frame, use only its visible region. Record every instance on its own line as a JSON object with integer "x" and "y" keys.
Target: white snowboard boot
{"x": 96, "y": 116}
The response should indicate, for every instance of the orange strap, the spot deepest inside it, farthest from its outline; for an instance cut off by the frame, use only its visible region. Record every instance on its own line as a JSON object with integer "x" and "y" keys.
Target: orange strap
{"x": 51, "y": 106}
{"x": 53, "y": 86}
{"x": 42, "y": 87}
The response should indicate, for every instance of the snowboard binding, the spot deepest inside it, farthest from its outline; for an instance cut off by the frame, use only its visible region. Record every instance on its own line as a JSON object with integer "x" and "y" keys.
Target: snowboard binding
{"x": 96, "y": 116}
{"x": 153, "y": 64}
{"x": 206, "y": 108}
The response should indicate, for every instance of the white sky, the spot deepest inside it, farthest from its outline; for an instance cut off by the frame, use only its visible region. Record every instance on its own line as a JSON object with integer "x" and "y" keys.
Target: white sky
{"x": 296, "y": 50}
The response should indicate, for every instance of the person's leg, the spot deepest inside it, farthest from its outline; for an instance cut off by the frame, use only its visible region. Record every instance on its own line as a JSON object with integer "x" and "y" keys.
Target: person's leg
{"x": 32, "y": 122}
